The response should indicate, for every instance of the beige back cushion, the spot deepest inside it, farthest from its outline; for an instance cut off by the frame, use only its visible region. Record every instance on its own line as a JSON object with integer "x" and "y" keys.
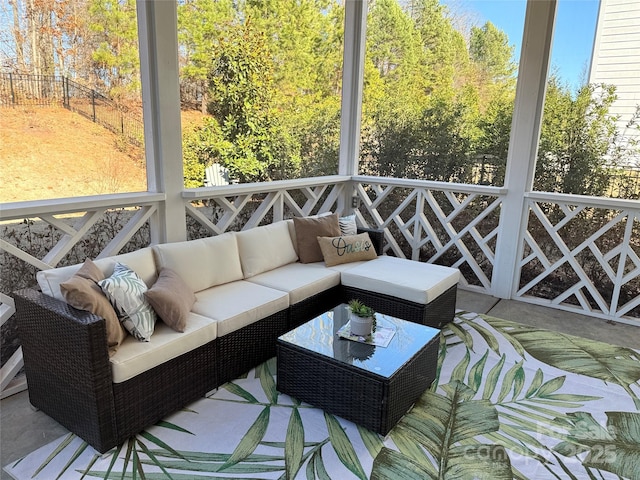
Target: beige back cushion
{"x": 141, "y": 261}
{"x": 202, "y": 263}
{"x": 264, "y": 248}
{"x": 292, "y": 234}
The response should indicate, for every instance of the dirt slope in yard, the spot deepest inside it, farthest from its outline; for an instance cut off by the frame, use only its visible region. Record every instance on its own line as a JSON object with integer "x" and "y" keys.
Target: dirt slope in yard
{"x": 54, "y": 153}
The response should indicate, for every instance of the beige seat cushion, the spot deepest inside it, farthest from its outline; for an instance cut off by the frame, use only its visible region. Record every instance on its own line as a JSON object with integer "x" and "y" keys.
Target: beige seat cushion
{"x": 414, "y": 281}
{"x": 134, "y": 357}
{"x": 299, "y": 280}
{"x": 265, "y": 248}
{"x": 202, "y": 263}
{"x": 238, "y": 304}
{"x": 343, "y": 266}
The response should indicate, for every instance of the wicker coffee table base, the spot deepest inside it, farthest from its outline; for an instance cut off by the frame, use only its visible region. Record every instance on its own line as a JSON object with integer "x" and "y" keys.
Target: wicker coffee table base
{"x": 374, "y": 402}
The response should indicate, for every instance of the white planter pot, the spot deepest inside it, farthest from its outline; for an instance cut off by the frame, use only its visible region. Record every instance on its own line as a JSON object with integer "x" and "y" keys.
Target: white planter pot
{"x": 361, "y": 326}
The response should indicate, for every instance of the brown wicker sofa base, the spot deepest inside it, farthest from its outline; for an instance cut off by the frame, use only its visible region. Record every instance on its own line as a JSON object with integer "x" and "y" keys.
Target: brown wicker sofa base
{"x": 313, "y": 306}
{"x": 435, "y": 314}
{"x": 151, "y": 396}
{"x": 69, "y": 374}
{"x": 240, "y": 351}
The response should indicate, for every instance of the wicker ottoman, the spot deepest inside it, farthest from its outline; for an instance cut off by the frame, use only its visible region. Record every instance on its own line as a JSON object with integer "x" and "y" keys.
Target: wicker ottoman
{"x": 369, "y": 385}
{"x": 415, "y": 291}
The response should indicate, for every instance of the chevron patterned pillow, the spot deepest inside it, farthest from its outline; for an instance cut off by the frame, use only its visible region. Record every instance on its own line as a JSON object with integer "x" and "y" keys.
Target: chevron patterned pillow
{"x": 125, "y": 290}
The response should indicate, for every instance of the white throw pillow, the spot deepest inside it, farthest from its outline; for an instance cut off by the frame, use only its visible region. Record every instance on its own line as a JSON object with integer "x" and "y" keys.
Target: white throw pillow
{"x": 125, "y": 290}
{"x": 348, "y": 225}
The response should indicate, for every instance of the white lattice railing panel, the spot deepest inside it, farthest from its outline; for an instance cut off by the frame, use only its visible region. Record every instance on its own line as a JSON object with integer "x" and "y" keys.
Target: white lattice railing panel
{"x": 582, "y": 256}
{"x": 10, "y": 382}
{"x": 453, "y": 225}
{"x": 240, "y": 207}
{"x": 43, "y": 235}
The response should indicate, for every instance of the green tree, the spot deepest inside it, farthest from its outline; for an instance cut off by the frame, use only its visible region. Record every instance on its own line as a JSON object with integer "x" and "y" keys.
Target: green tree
{"x": 390, "y": 38}
{"x": 416, "y": 125}
{"x": 394, "y": 90}
{"x": 273, "y": 76}
{"x": 115, "y": 57}
{"x": 577, "y": 140}
{"x": 494, "y": 80}
{"x": 436, "y": 147}
{"x": 201, "y": 27}
{"x": 242, "y": 91}
{"x": 493, "y": 142}
{"x": 445, "y": 50}
{"x": 305, "y": 41}
{"x": 492, "y": 75}
{"x": 489, "y": 48}
{"x": 200, "y": 147}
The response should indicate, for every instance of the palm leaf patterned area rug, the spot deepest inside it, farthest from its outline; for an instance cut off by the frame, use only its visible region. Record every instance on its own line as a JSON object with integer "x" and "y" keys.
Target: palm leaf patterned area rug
{"x": 509, "y": 401}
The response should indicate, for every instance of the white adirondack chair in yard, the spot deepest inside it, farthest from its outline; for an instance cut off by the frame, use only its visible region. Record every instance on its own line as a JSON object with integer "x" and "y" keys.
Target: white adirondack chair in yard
{"x": 216, "y": 175}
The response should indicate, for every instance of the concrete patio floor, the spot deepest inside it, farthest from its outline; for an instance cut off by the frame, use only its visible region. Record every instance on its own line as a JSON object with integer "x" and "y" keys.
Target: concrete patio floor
{"x": 23, "y": 429}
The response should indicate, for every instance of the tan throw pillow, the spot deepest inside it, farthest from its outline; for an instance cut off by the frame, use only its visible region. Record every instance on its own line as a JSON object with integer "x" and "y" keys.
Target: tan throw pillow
{"x": 308, "y": 229}
{"x": 82, "y": 292}
{"x": 346, "y": 249}
{"x": 171, "y": 298}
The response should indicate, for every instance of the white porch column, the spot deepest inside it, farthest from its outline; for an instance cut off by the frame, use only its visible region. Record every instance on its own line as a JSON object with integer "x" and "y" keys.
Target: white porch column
{"x": 523, "y": 145}
{"x": 355, "y": 32}
{"x": 158, "y": 38}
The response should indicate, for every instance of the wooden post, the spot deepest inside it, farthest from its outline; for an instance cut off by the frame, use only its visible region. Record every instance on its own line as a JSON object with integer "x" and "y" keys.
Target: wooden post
{"x": 352, "y": 85}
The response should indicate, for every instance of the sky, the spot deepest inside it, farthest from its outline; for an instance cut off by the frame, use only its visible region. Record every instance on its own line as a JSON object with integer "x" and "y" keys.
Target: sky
{"x": 573, "y": 36}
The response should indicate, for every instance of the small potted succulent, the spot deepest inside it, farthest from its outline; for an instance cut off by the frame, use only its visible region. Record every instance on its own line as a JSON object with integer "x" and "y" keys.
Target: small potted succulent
{"x": 362, "y": 318}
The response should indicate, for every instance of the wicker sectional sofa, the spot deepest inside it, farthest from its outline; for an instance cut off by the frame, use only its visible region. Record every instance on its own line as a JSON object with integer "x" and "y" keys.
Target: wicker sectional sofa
{"x": 249, "y": 289}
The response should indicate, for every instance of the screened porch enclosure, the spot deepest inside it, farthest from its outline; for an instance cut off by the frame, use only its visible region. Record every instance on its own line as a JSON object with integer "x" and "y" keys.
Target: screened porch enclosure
{"x": 569, "y": 252}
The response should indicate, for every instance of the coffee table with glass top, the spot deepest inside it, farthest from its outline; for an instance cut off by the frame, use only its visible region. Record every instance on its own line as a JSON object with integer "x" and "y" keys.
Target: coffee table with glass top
{"x": 369, "y": 385}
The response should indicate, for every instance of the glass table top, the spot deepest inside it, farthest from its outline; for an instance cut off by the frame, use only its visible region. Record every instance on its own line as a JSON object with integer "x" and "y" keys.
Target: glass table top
{"x": 320, "y": 336}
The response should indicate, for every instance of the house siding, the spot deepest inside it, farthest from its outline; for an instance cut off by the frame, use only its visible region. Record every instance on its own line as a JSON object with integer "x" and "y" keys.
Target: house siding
{"x": 616, "y": 57}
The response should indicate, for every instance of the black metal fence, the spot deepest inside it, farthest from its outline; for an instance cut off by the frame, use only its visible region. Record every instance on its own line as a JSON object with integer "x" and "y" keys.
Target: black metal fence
{"x": 624, "y": 182}
{"x": 192, "y": 94}
{"x": 34, "y": 90}
{"x": 55, "y": 90}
